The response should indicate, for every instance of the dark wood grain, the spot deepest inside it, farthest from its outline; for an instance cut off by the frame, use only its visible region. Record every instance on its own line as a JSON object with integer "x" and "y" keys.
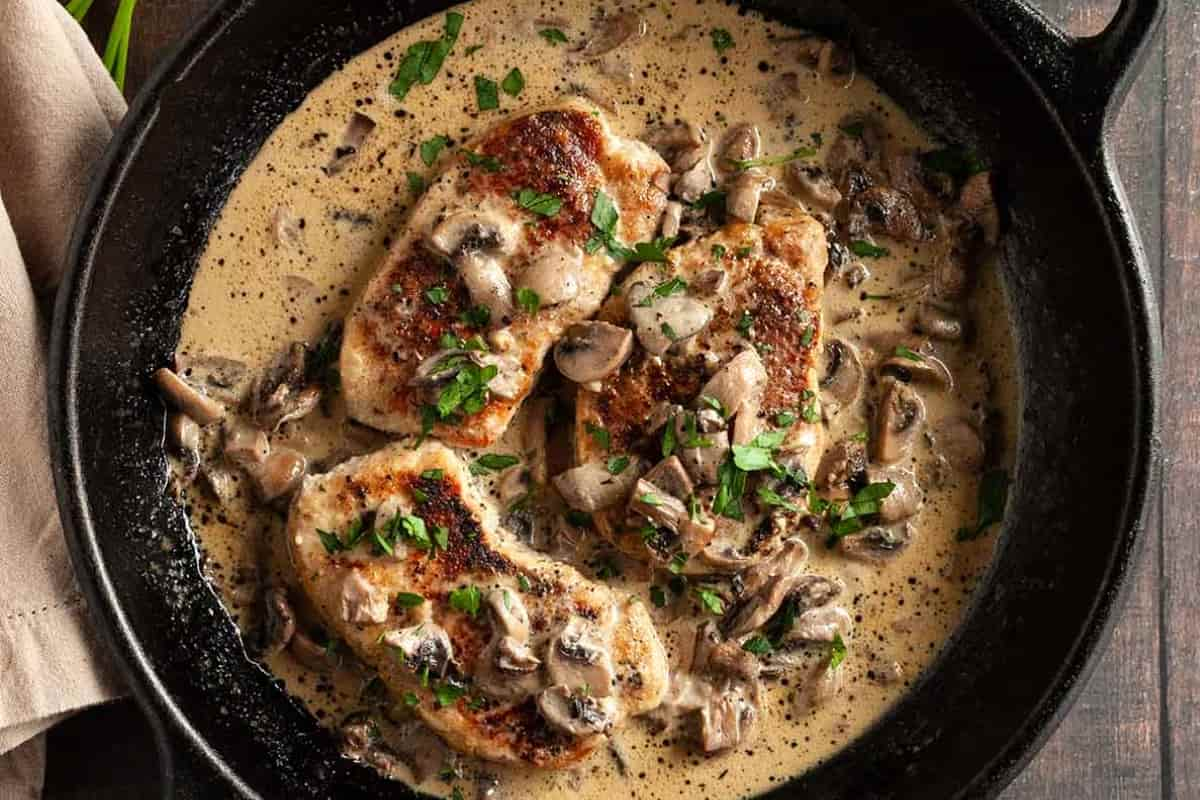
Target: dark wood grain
{"x": 1181, "y": 411}
{"x": 1134, "y": 731}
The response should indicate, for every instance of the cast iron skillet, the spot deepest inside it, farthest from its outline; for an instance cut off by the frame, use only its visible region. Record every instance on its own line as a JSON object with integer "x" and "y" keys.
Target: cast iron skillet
{"x": 990, "y": 73}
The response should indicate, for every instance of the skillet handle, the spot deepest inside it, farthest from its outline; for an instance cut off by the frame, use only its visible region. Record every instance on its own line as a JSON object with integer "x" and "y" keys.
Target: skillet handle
{"x": 1085, "y": 78}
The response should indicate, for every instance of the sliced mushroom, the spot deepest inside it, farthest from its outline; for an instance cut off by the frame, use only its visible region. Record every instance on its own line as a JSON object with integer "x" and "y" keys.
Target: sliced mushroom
{"x": 918, "y": 367}
{"x": 554, "y": 274}
{"x": 279, "y": 621}
{"x": 743, "y": 378}
{"x": 577, "y": 657}
{"x": 957, "y": 440}
{"x": 245, "y": 445}
{"x": 661, "y": 322}
{"x": 221, "y": 482}
{"x": 726, "y": 721}
{"x": 938, "y": 323}
{"x": 516, "y": 657}
{"x": 425, "y": 646}
{"x": 820, "y": 624}
{"x": 477, "y": 241}
{"x": 671, "y": 477}
{"x": 813, "y": 186}
{"x": 440, "y": 367}
{"x": 899, "y": 420}
{"x": 183, "y": 397}
{"x": 608, "y": 33}
{"x": 842, "y": 465}
{"x": 978, "y": 202}
{"x": 184, "y": 436}
{"x": 354, "y": 136}
{"x": 280, "y": 474}
{"x": 362, "y": 601}
{"x": 591, "y": 351}
{"x": 286, "y": 227}
{"x": 747, "y": 422}
{"x": 514, "y": 485}
{"x": 226, "y": 380}
{"x": 740, "y": 143}
{"x": 876, "y": 543}
{"x": 660, "y": 415}
{"x": 672, "y": 216}
{"x": 710, "y": 282}
{"x": 509, "y": 613}
{"x": 881, "y": 209}
{"x": 906, "y": 497}
{"x": 509, "y": 668}
{"x": 657, "y": 505}
{"x": 745, "y": 190}
{"x": 576, "y": 713}
{"x": 535, "y": 438}
{"x": 765, "y": 586}
{"x": 314, "y": 656}
{"x": 284, "y": 393}
{"x": 692, "y": 183}
{"x": 591, "y": 487}
{"x": 681, "y": 146}
{"x": 704, "y": 462}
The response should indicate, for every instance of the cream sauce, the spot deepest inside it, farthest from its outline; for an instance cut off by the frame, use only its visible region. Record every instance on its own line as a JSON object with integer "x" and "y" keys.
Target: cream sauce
{"x": 253, "y": 294}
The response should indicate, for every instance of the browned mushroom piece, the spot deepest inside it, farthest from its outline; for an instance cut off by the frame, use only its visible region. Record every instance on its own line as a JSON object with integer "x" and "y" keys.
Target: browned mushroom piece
{"x": 906, "y": 497}
{"x": 745, "y": 190}
{"x": 280, "y": 473}
{"x": 820, "y": 624}
{"x": 578, "y": 657}
{"x": 310, "y": 654}
{"x": 883, "y": 210}
{"x": 591, "y": 487}
{"x": 426, "y": 648}
{"x": 670, "y": 476}
{"x": 575, "y": 712}
{"x": 853, "y": 158}
{"x": 740, "y": 143}
{"x": 899, "y": 420}
{"x": 978, "y": 202}
{"x": 509, "y": 669}
{"x": 914, "y": 366}
{"x": 244, "y": 444}
{"x": 844, "y": 375}
{"x": 478, "y": 242}
{"x": 938, "y": 323}
{"x": 671, "y": 219}
{"x": 681, "y": 146}
{"x": 842, "y": 465}
{"x": 662, "y": 322}
{"x": 183, "y": 435}
{"x": 279, "y": 621}
{"x": 607, "y": 34}
{"x": 591, "y": 351}
{"x": 957, "y": 440}
{"x": 813, "y": 186}
{"x": 184, "y": 397}
{"x": 877, "y": 543}
{"x": 358, "y": 128}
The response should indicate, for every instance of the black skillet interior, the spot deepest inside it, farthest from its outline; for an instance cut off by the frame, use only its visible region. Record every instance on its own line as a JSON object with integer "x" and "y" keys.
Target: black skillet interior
{"x": 1087, "y": 347}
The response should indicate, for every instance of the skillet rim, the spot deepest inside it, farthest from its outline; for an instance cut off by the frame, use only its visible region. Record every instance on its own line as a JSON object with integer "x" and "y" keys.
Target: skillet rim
{"x": 74, "y": 502}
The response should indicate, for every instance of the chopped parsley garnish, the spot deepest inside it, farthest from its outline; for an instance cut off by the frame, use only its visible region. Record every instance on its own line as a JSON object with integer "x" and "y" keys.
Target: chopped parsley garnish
{"x": 416, "y": 183}
{"x": 668, "y": 438}
{"x": 745, "y": 323}
{"x": 993, "y": 494}
{"x": 667, "y": 288}
{"x": 715, "y": 405}
{"x": 811, "y": 411}
{"x": 437, "y": 294}
{"x": 600, "y": 435}
{"x": 605, "y": 217}
{"x": 848, "y": 519}
{"x": 617, "y": 464}
{"x": 758, "y": 644}
{"x": 769, "y": 497}
{"x": 467, "y": 392}
{"x": 432, "y": 148}
{"x": 489, "y": 163}
{"x": 433, "y": 474}
{"x": 718, "y": 251}
{"x": 853, "y": 129}
{"x": 731, "y": 485}
{"x": 513, "y": 82}
{"x": 472, "y": 50}
{"x": 744, "y": 252}
{"x": 658, "y": 596}
{"x": 957, "y": 162}
{"x": 487, "y": 94}
{"x": 771, "y": 161}
{"x": 330, "y": 540}
{"x": 606, "y": 568}
{"x": 807, "y": 337}
{"x": 677, "y": 563}
{"x": 904, "y": 352}
{"x": 409, "y": 600}
{"x": 335, "y": 544}
{"x": 448, "y": 693}
{"x": 785, "y": 419}
{"x": 441, "y": 536}
{"x": 668, "y": 331}
{"x": 423, "y": 60}
{"x": 466, "y": 599}
{"x": 493, "y": 462}
{"x": 476, "y": 316}
{"x": 553, "y": 35}
{"x": 721, "y": 39}
{"x": 523, "y": 583}
{"x": 864, "y": 249}
{"x": 411, "y": 700}
{"x": 861, "y": 436}
{"x": 529, "y": 300}
{"x": 654, "y": 250}
{"x": 713, "y": 199}
{"x": 711, "y": 601}
{"x": 837, "y": 652}
{"x": 691, "y": 433}
{"x": 545, "y": 204}
{"x": 651, "y": 499}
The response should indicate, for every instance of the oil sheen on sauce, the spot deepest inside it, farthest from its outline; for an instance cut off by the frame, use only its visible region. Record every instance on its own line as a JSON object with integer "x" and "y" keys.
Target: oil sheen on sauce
{"x": 254, "y": 294}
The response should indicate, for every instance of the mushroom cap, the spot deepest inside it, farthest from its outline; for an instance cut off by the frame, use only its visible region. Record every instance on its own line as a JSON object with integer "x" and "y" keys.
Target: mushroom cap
{"x": 591, "y": 351}
{"x": 844, "y": 373}
{"x": 662, "y": 321}
{"x": 577, "y": 714}
{"x": 899, "y": 420}
{"x": 591, "y": 487}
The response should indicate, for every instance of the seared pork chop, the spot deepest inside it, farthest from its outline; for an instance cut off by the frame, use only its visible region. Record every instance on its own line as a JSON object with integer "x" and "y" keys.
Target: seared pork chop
{"x": 729, "y": 333}
{"x": 507, "y": 655}
{"x": 497, "y": 248}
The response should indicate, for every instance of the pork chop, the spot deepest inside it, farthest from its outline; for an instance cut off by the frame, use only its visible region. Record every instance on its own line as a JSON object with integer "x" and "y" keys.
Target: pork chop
{"x": 730, "y": 333}
{"x": 494, "y": 264}
{"x": 506, "y": 654}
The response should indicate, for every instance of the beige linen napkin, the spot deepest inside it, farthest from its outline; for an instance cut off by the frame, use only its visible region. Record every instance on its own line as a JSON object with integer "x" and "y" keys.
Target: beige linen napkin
{"x": 58, "y": 109}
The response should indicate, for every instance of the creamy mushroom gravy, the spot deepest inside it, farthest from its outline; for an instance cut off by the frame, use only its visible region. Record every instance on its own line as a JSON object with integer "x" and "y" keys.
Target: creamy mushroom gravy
{"x": 294, "y": 245}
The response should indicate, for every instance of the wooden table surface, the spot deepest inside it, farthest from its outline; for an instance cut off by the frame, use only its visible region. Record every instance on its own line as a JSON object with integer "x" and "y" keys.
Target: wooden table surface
{"x": 1134, "y": 731}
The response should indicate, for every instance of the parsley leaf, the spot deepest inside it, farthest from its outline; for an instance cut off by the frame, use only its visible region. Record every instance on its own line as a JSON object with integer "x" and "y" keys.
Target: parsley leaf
{"x": 713, "y": 199}
{"x": 957, "y": 162}
{"x": 416, "y": 183}
{"x": 545, "y": 204}
{"x": 493, "y": 462}
{"x": 476, "y": 316}
{"x": 668, "y": 438}
{"x": 423, "y": 60}
{"x": 600, "y": 435}
{"x": 711, "y": 601}
{"x": 993, "y": 495}
{"x": 722, "y": 40}
{"x": 769, "y": 497}
{"x": 617, "y": 464}
{"x": 853, "y": 129}
{"x": 448, "y": 693}
{"x": 466, "y": 599}
{"x": 904, "y": 352}
{"x": 667, "y": 288}
{"x": 330, "y": 540}
{"x": 654, "y": 250}
{"x": 432, "y": 148}
{"x": 758, "y": 644}
{"x": 489, "y": 163}
{"x": 718, "y": 251}
{"x": 771, "y": 161}
{"x": 528, "y": 300}
{"x": 864, "y": 249}
{"x": 409, "y": 600}
{"x": 437, "y": 294}
{"x": 658, "y": 596}
{"x": 513, "y": 82}
{"x": 487, "y": 94}
{"x": 745, "y": 323}
{"x": 837, "y": 652}
{"x": 553, "y": 35}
